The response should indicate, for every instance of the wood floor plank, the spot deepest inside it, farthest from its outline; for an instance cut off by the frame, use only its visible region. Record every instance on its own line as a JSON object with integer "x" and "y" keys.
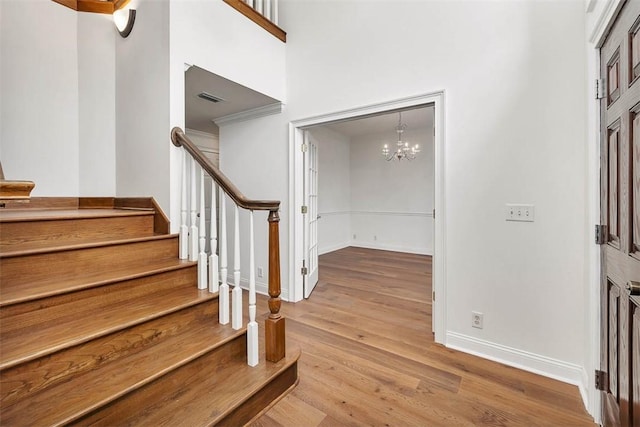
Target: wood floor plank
{"x": 369, "y": 358}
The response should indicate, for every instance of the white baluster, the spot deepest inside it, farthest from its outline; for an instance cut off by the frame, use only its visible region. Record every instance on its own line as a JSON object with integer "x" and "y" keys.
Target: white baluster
{"x": 258, "y": 6}
{"x": 236, "y": 294}
{"x": 202, "y": 256}
{"x": 193, "y": 230}
{"x": 252, "y": 327}
{"x": 223, "y": 296}
{"x": 250, "y": 3}
{"x": 274, "y": 12}
{"x": 184, "y": 231}
{"x": 267, "y": 9}
{"x": 213, "y": 243}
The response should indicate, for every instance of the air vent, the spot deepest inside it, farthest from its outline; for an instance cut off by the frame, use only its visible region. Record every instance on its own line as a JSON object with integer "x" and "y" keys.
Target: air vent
{"x": 209, "y": 97}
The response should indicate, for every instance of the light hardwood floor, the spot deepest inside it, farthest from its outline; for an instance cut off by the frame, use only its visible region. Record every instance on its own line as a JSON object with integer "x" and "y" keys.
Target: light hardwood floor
{"x": 368, "y": 358}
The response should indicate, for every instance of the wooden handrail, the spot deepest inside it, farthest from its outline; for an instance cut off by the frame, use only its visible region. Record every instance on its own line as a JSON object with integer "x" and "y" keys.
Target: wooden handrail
{"x": 179, "y": 139}
{"x": 275, "y": 345}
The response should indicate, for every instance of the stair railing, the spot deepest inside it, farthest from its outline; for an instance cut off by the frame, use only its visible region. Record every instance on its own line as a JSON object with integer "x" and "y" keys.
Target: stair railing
{"x": 213, "y": 270}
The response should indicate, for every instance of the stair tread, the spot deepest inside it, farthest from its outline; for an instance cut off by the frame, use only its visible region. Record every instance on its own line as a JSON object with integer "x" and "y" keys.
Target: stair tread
{"x": 32, "y": 248}
{"x": 181, "y": 398}
{"x": 80, "y": 321}
{"x": 17, "y": 291}
{"x": 17, "y": 215}
{"x": 107, "y": 383}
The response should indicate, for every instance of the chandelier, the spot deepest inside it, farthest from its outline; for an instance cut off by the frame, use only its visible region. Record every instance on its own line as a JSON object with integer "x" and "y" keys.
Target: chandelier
{"x": 403, "y": 150}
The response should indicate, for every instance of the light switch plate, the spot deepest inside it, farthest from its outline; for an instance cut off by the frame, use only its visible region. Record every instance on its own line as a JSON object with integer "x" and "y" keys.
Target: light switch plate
{"x": 523, "y": 213}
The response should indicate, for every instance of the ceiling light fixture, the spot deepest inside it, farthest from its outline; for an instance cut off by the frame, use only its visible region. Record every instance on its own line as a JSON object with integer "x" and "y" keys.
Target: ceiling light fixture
{"x": 124, "y": 19}
{"x": 403, "y": 150}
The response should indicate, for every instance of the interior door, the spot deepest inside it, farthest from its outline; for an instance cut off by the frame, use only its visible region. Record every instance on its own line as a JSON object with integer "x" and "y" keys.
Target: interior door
{"x": 310, "y": 150}
{"x": 620, "y": 213}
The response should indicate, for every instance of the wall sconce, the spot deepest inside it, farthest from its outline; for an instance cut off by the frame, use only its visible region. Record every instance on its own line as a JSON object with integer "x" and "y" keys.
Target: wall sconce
{"x": 124, "y": 19}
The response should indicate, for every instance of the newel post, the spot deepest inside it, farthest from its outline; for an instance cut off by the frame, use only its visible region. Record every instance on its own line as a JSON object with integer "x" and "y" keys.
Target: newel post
{"x": 274, "y": 325}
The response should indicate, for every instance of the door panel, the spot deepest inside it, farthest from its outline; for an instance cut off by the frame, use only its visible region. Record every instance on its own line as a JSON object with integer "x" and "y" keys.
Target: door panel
{"x": 614, "y": 327}
{"x": 613, "y": 180}
{"x": 635, "y": 365}
{"x": 635, "y": 179}
{"x": 620, "y": 212}
{"x": 311, "y": 217}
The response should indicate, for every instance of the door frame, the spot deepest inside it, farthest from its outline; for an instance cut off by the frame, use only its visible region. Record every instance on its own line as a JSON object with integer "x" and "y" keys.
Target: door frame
{"x": 596, "y": 38}
{"x": 296, "y": 169}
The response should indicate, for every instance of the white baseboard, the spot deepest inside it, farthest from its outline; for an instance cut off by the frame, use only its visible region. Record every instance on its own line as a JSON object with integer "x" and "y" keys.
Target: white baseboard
{"x": 527, "y": 361}
{"x": 584, "y": 388}
{"x": 333, "y": 248}
{"x": 393, "y": 248}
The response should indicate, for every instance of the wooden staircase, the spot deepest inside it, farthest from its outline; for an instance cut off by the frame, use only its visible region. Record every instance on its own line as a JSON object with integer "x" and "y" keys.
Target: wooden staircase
{"x": 102, "y": 324}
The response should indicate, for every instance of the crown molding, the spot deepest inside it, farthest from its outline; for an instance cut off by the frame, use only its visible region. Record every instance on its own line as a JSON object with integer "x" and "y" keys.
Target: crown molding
{"x": 251, "y": 114}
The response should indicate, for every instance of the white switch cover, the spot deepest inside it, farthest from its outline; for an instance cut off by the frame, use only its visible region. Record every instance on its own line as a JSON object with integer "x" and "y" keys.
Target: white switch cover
{"x": 525, "y": 213}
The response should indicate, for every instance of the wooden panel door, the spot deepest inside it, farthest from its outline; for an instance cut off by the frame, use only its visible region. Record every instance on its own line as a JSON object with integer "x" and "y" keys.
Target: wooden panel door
{"x": 620, "y": 210}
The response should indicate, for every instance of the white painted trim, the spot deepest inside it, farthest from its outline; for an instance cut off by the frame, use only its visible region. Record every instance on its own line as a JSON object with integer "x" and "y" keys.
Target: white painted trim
{"x": 393, "y": 248}
{"x": 200, "y": 133}
{"x": 251, "y": 114}
{"x": 590, "y": 395}
{"x": 296, "y": 254}
{"x": 334, "y": 213}
{"x": 527, "y": 361}
{"x": 384, "y": 213}
{"x": 334, "y": 248}
{"x": 583, "y": 388}
{"x": 380, "y": 213}
{"x": 604, "y": 21}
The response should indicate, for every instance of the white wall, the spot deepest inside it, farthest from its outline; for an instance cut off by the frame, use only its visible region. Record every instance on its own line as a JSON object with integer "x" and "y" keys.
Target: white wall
{"x": 246, "y": 159}
{"x": 97, "y": 104}
{"x": 216, "y": 37}
{"x": 58, "y": 103}
{"x": 334, "y": 189}
{"x": 365, "y": 201}
{"x": 39, "y": 104}
{"x": 514, "y": 82}
{"x": 391, "y": 202}
{"x": 142, "y": 105}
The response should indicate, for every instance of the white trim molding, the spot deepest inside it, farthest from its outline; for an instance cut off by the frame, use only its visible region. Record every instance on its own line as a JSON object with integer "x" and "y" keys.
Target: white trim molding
{"x": 296, "y": 250}
{"x": 385, "y": 213}
{"x": 527, "y": 361}
{"x": 392, "y": 248}
{"x": 380, "y": 213}
{"x": 251, "y": 114}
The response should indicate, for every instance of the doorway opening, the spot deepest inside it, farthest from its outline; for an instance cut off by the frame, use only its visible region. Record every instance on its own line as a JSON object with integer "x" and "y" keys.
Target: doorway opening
{"x": 306, "y": 244}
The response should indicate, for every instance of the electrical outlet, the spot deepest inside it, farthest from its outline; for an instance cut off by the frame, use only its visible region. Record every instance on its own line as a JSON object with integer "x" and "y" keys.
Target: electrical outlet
{"x": 477, "y": 319}
{"x": 260, "y": 272}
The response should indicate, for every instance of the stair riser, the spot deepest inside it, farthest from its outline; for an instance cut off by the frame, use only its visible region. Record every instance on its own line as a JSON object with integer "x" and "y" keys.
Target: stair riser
{"x": 138, "y": 407}
{"x": 89, "y": 301}
{"x": 60, "y": 232}
{"x": 112, "y": 311}
{"x": 262, "y": 399}
{"x": 84, "y": 261}
{"x": 32, "y": 377}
